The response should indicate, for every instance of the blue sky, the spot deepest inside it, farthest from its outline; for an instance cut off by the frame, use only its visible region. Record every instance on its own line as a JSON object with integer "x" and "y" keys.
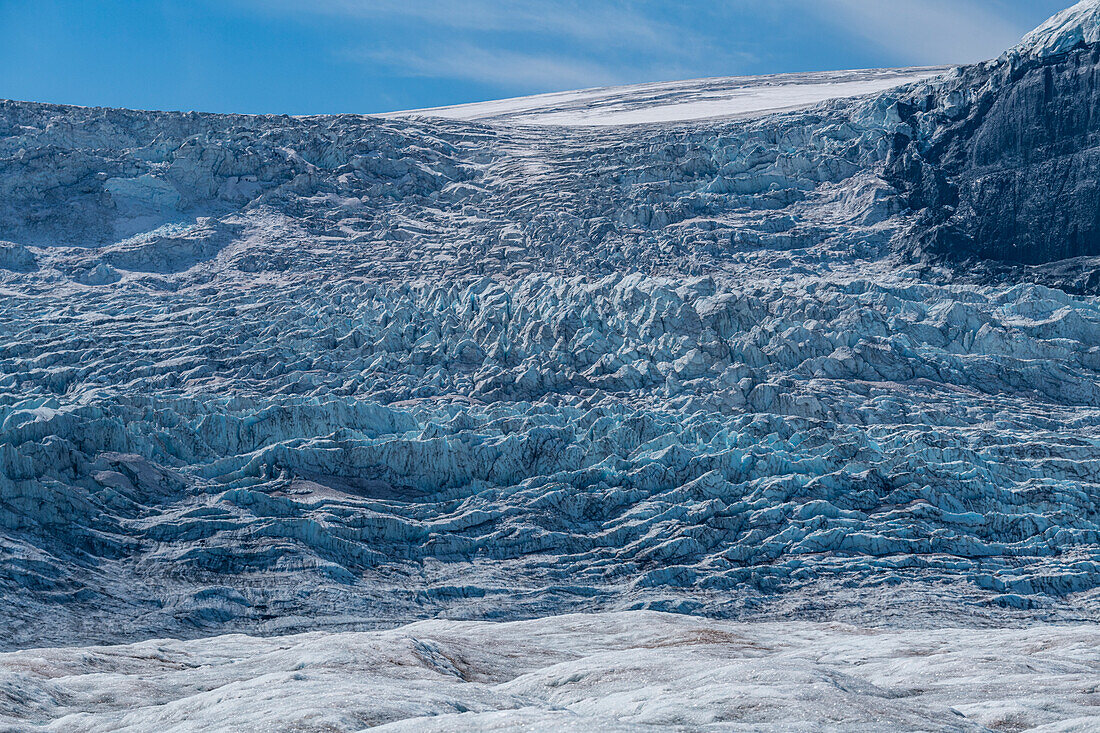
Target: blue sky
{"x": 325, "y": 56}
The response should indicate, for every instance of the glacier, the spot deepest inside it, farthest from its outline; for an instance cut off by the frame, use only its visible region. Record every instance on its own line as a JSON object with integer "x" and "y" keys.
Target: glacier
{"x": 607, "y": 672}
{"x": 1076, "y": 25}
{"x": 707, "y": 364}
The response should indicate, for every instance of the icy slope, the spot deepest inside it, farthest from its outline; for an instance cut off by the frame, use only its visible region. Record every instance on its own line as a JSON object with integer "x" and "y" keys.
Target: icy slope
{"x": 571, "y": 673}
{"x": 280, "y": 374}
{"x": 143, "y": 193}
{"x": 681, "y": 101}
{"x": 178, "y": 460}
{"x": 1076, "y": 25}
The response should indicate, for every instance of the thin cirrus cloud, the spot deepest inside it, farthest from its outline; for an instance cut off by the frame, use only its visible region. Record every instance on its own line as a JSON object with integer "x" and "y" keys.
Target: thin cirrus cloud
{"x": 613, "y": 23}
{"x": 495, "y": 67}
{"x": 926, "y": 31}
{"x": 527, "y": 46}
{"x": 530, "y": 45}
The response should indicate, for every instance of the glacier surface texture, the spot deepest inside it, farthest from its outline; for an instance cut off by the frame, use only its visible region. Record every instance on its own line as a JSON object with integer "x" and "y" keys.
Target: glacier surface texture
{"x": 739, "y": 350}
{"x": 621, "y": 672}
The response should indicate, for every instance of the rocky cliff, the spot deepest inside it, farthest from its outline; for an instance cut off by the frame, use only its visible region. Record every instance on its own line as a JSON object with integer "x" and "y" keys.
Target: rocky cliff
{"x": 1001, "y": 161}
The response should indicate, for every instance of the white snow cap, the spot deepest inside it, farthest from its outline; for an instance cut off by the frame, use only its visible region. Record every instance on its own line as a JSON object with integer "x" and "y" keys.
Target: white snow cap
{"x": 1064, "y": 31}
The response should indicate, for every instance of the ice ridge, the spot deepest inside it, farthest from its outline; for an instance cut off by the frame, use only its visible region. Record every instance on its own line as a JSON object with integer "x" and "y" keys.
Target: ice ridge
{"x": 1074, "y": 26}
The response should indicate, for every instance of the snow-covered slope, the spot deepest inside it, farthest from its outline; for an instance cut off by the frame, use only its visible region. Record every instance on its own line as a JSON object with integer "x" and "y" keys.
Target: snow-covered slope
{"x": 1079, "y": 24}
{"x": 681, "y": 101}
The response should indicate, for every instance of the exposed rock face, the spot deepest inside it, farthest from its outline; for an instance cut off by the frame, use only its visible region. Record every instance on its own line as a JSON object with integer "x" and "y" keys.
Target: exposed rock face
{"x": 1002, "y": 160}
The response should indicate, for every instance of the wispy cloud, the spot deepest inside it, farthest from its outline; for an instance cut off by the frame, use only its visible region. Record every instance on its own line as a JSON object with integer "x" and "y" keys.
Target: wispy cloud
{"x": 517, "y": 45}
{"x": 925, "y": 31}
{"x": 493, "y": 66}
{"x": 529, "y": 46}
{"x": 615, "y": 22}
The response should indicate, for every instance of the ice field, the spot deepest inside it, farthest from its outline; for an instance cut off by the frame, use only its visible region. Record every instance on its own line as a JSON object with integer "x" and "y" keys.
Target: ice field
{"x": 730, "y": 404}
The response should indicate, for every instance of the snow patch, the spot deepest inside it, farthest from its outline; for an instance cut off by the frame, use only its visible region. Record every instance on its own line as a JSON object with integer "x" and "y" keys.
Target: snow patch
{"x": 680, "y": 101}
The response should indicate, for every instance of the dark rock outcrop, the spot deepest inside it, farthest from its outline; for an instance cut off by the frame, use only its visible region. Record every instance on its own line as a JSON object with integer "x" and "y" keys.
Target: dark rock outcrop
{"x": 1003, "y": 165}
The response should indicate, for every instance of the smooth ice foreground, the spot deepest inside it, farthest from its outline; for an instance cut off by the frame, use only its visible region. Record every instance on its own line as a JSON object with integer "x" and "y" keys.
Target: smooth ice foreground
{"x": 335, "y": 374}
{"x": 636, "y": 671}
